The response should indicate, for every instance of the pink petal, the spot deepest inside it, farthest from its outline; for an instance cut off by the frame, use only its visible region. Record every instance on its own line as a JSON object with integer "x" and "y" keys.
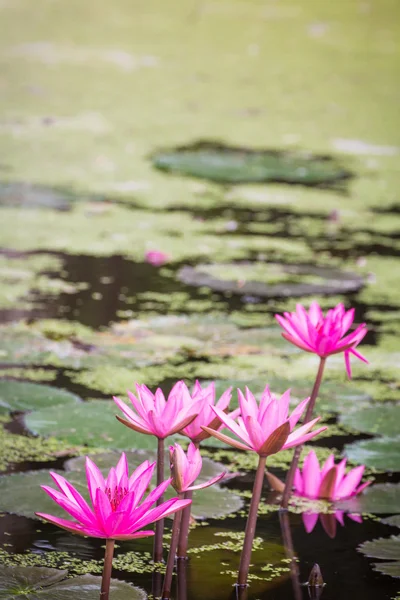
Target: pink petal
{"x": 241, "y": 432}
{"x": 201, "y": 486}
{"x": 70, "y": 526}
{"x": 94, "y": 478}
{"x": 73, "y": 495}
{"x": 122, "y": 467}
{"x": 297, "y": 412}
{"x": 311, "y": 475}
{"x": 133, "y": 536}
{"x": 102, "y": 507}
{"x": 69, "y": 506}
{"x": 309, "y": 520}
{"x": 226, "y": 439}
{"x": 349, "y": 483}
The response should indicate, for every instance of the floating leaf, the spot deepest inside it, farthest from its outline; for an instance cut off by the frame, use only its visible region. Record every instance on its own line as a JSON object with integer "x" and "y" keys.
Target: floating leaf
{"x": 21, "y": 493}
{"x": 33, "y": 196}
{"x": 34, "y": 583}
{"x": 90, "y": 423}
{"x": 329, "y": 282}
{"x": 22, "y": 396}
{"x": 381, "y": 420}
{"x": 227, "y": 164}
{"x": 377, "y": 499}
{"x": 393, "y": 521}
{"x": 379, "y": 453}
{"x": 386, "y": 548}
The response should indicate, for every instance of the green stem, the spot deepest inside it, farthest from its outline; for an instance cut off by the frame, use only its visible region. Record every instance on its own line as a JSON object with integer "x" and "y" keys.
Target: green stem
{"x": 251, "y": 523}
{"x": 105, "y": 581}
{"x": 296, "y": 456}
{"x": 158, "y": 538}
{"x": 166, "y": 593}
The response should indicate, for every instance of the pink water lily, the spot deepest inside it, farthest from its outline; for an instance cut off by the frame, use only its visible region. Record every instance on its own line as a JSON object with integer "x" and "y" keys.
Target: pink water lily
{"x": 206, "y": 414}
{"x": 323, "y": 335}
{"x": 156, "y": 257}
{"x": 329, "y": 482}
{"x": 266, "y": 427}
{"x": 185, "y": 469}
{"x": 115, "y": 511}
{"x": 154, "y": 415}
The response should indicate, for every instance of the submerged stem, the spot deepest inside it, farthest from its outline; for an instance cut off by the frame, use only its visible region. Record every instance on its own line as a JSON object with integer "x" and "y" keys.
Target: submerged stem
{"x": 108, "y": 558}
{"x": 288, "y": 545}
{"x": 251, "y": 523}
{"x": 296, "y": 456}
{"x": 158, "y": 538}
{"x": 171, "y": 555}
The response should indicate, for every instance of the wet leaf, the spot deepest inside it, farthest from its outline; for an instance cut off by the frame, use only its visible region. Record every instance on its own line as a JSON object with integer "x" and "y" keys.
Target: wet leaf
{"x": 379, "y": 453}
{"x": 225, "y": 164}
{"x": 91, "y": 423}
{"x": 328, "y": 282}
{"x": 35, "y": 583}
{"x": 385, "y": 548}
{"x": 22, "y": 396}
{"x": 376, "y": 499}
{"x": 393, "y": 521}
{"x": 380, "y": 420}
{"x": 33, "y": 196}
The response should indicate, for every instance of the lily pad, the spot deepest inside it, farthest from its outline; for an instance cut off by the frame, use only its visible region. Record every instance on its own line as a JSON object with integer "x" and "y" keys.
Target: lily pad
{"x": 231, "y": 165}
{"x": 382, "y": 453}
{"x": 91, "y": 423}
{"x": 326, "y": 281}
{"x": 377, "y": 499}
{"x": 22, "y": 396}
{"x": 386, "y": 548}
{"x": 379, "y": 420}
{"x": 34, "y": 583}
{"x": 21, "y": 493}
{"x": 393, "y": 521}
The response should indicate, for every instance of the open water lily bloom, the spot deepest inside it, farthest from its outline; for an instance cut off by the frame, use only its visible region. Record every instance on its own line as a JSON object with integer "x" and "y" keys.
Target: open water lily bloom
{"x": 206, "y": 414}
{"x": 186, "y": 467}
{"x": 330, "y": 482}
{"x": 323, "y": 335}
{"x": 117, "y": 511}
{"x": 266, "y": 427}
{"x": 152, "y": 414}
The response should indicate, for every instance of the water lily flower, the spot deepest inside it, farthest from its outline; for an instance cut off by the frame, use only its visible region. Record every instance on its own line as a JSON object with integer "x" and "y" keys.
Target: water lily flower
{"x": 206, "y": 416}
{"x": 116, "y": 512}
{"x": 154, "y": 415}
{"x": 328, "y": 520}
{"x": 266, "y": 427}
{"x": 329, "y": 482}
{"x": 156, "y": 257}
{"x": 185, "y": 469}
{"x": 323, "y": 335}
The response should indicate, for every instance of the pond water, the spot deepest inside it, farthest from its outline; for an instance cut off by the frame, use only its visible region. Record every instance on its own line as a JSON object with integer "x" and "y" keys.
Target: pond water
{"x": 256, "y": 144}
